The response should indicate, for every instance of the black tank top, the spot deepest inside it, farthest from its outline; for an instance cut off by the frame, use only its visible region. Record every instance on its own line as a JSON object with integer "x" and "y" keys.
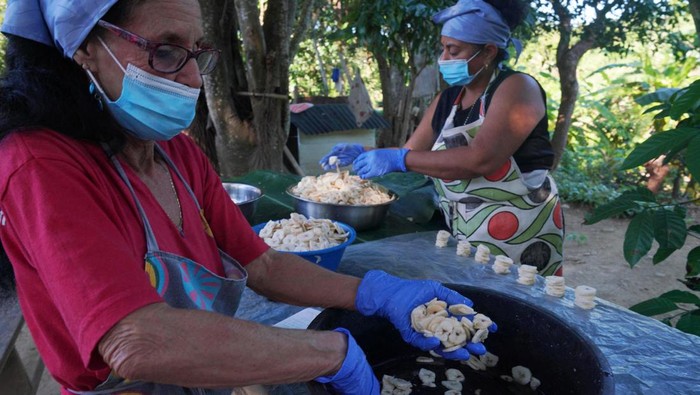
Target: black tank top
{"x": 535, "y": 152}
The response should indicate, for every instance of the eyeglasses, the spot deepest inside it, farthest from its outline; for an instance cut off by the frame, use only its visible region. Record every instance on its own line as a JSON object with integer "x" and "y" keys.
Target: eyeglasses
{"x": 167, "y": 58}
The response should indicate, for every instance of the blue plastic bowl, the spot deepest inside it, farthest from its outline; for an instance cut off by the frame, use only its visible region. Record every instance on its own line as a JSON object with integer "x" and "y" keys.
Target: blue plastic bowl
{"x": 328, "y": 258}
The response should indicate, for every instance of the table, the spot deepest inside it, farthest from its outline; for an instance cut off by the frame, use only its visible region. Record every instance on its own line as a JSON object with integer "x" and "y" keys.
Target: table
{"x": 646, "y": 356}
{"x": 412, "y": 189}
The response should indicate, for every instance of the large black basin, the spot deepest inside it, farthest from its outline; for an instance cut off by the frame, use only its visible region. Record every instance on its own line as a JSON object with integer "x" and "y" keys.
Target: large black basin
{"x": 563, "y": 359}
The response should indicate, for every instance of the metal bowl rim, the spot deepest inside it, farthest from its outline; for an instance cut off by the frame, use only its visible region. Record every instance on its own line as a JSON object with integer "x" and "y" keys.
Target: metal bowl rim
{"x": 394, "y": 197}
{"x": 253, "y": 187}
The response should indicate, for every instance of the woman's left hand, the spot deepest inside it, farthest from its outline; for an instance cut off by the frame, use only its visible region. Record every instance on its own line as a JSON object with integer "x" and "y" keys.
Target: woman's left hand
{"x": 394, "y": 298}
{"x": 378, "y": 162}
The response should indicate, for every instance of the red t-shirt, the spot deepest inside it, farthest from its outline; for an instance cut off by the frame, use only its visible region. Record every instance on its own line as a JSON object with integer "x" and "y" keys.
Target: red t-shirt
{"x": 77, "y": 244}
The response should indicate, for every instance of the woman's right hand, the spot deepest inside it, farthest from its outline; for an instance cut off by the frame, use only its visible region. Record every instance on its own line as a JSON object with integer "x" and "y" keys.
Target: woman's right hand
{"x": 355, "y": 376}
{"x": 345, "y": 154}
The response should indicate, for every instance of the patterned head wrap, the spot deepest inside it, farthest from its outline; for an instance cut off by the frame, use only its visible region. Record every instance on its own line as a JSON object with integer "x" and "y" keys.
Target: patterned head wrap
{"x": 61, "y": 23}
{"x": 476, "y": 22}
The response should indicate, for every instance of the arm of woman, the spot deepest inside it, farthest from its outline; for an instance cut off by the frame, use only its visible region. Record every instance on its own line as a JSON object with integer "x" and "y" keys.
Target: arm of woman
{"x": 515, "y": 110}
{"x": 195, "y": 348}
{"x": 290, "y": 279}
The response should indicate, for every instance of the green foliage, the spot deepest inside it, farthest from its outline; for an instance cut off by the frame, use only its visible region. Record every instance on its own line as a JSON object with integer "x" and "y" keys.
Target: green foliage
{"x": 584, "y": 177}
{"x": 609, "y": 24}
{"x": 664, "y": 222}
{"x": 401, "y": 31}
{"x": 685, "y": 305}
{"x": 609, "y": 121}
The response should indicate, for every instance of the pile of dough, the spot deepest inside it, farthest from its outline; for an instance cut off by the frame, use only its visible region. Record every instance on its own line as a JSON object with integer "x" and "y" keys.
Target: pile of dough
{"x": 442, "y": 238}
{"x": 298, "y": 234}
{"x": 395, "y": 386}
{"x": 526, "y": 274}
{"x": 340, "y": 188}
{"x": 554, "y": 286}
{"x": 482, "y": 254}
{"x": 464, "y": 248}
{"x": 502, "y": 264}
{"x": 436, "y": 319}
{"x": 584, "y": 297}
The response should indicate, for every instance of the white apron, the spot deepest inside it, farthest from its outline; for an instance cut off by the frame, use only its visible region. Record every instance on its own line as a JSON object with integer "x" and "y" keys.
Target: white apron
{"x": 499, "y": 210}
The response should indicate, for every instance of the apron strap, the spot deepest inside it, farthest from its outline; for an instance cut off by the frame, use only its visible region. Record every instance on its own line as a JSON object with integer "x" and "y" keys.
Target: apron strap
{"x": 170, "y": 163}
{"x": 151, "y": 243}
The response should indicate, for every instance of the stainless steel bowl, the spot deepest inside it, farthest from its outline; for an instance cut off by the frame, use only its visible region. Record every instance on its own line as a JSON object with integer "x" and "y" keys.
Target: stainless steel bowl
{"x": 359, "y": 217}
{"x": 245, "y": 196}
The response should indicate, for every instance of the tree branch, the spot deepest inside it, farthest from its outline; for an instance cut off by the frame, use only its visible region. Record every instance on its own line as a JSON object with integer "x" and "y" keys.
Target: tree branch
{"x": 301, "y": 28}
{"x": 248, "y": 16}
{"x": 565, "y": 30}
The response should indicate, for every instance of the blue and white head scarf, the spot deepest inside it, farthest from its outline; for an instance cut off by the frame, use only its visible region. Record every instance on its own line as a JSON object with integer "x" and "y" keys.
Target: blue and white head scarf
{"x": 476, "y": 22}
{"x": 63, "y": 24}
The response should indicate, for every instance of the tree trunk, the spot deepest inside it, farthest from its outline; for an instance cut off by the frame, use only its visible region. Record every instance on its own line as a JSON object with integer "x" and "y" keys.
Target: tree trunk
{"x": 268, "y": 77}
{"x": 322, "y": 68}
{"x": 203, "y": 131}
{"x": 397, "y": 98}
{"x": 568, "y": 58}
{"x": 249, "y": 103}
{"x": 235, "y": 138}
{"x": 694, "y": 6}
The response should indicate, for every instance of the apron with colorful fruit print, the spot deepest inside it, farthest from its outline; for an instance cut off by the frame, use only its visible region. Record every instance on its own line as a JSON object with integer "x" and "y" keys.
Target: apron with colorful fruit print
{"x": 499, "y": 210}
{"x": 182, "y": 283}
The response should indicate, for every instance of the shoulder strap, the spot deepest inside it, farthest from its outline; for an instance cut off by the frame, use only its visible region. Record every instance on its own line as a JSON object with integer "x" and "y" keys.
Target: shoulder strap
{"x": 502, "y": 75}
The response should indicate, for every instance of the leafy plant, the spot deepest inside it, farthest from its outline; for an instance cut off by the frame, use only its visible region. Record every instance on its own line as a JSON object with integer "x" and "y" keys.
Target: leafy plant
{"x": 665, "y": 222}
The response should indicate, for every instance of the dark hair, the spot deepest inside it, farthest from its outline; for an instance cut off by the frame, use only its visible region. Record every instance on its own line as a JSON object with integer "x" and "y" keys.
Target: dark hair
{"x": 514, "y": 13}
{"x": 42, "y": 88}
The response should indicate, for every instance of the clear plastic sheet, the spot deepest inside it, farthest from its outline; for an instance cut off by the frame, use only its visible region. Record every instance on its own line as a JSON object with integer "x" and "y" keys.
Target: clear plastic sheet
{"x": 646, "y": 356}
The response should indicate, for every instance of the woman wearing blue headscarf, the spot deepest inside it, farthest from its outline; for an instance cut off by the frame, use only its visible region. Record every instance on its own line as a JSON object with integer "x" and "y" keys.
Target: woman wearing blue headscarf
{"x": 483, "y": 141}
{"x": 130, "y": 258}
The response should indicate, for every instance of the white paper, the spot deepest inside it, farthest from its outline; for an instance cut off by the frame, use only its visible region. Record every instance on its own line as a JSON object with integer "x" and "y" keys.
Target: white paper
{"x": 300, "y": 320}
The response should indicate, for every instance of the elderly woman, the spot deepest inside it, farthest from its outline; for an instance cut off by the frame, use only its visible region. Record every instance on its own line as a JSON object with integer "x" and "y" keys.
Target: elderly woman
{"x": 129, "y": 256}
{"x": 483, "y": 141}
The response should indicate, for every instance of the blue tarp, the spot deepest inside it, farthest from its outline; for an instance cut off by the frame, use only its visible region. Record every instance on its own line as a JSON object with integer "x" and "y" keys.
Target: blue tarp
{"x": 646, "y": 356}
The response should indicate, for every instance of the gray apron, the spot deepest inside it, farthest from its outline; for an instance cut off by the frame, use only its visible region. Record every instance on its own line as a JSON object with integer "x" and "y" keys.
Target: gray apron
{"x": 500, "y": 210}
{"x": 182, "y": 283}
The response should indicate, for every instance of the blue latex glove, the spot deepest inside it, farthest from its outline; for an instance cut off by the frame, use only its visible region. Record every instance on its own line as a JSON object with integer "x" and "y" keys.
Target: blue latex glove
{"x": 394, "y": 298}
{"x": 346, "y": 153}
{"x": 378, "y": 162}
{"x": 355, "y": 375}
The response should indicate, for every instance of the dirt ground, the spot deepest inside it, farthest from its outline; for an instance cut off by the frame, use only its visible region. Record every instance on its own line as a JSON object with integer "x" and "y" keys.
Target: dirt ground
{"x": 593, "y": 256}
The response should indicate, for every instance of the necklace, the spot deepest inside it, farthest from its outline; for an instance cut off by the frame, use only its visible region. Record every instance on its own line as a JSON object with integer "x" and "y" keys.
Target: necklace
{"x": 478, "y": 100}
{"x": 177, "y": 223}
{"x": 469, "y": 114}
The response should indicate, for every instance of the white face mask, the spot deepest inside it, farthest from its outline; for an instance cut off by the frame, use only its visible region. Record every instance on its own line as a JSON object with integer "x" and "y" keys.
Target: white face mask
{"x": 150, "y": 107}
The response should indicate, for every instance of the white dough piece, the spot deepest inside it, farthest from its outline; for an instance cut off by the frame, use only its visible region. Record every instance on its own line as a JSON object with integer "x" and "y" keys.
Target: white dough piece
{"x": 521, "y": 375}
{"x": 442, "y": 238}
{"x": 464, "y": 248}
{"x": 555, "y": 286}
{"x": 482, "y": 254}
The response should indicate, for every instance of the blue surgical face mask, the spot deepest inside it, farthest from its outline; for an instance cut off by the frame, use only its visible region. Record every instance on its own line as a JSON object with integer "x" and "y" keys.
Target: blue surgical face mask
{"x": 150, "y": 107}
{"x": 456, "y": 72}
